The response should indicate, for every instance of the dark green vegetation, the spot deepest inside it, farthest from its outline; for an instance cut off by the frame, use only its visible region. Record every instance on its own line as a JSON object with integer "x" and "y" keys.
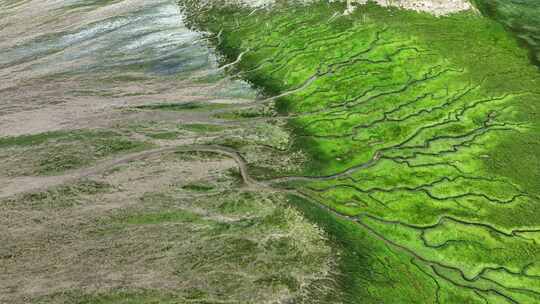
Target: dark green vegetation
{"x": 248, "y": 113}
{"x": 55, "y": 152}
{"x": 187, "y": 106}
{"x": 423, "y": 138}
{"x": 198, "y": 187}
{"x": 64, "y": 196}
{"x": 520, "y": 16}
{"x": 202, "y": 128}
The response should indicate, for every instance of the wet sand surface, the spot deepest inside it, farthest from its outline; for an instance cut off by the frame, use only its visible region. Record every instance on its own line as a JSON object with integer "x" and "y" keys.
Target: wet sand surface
{"x": 82, "y": 68}
{"x": 73, "y": 64}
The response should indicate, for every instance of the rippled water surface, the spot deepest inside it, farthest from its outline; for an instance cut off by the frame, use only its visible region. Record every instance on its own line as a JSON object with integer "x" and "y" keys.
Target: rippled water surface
{"x": 60, "y": 59}
{"x": 69, "y": 36}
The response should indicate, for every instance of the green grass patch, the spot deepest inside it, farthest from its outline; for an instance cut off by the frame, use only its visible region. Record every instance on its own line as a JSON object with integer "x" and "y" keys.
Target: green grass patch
{"x": 417, "y": 124}
{"x": 164, "y": 135}
{"x": 245, "y": 114}
{"x": 160, "y": 218}
{"x": 202, "y": 128}
{"x": 55, "y": 152}
{"x": 38, "y": 139}
{"x": 187, "y": 106}
{"x": 64, "y": 196}
{"x": 199, "y": 187}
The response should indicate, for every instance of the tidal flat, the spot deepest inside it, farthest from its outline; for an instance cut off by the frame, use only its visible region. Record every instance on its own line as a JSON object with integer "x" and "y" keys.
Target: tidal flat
{"x": 118, "y": 180}
{"x": 213, "y": 152}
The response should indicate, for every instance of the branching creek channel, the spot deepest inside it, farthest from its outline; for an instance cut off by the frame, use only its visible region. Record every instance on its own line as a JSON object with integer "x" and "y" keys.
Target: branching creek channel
{"x": 139, "y": 164}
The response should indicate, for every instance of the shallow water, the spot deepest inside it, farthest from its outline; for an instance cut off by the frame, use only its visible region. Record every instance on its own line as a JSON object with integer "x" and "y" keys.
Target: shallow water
{"x": 61, "y": 60}
{"x": 132, "y": 35}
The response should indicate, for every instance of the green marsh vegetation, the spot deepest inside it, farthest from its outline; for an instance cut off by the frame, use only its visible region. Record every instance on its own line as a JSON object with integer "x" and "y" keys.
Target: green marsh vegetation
{"x": 201, "y": 128}
{"x": 198, "y": 187}
{"x": 52, "y": 153}
{"x": 520, "y": 17}
{"x": 61, "y": 197}
{"x": 187, "y": 106}
{"x": 423, "y": 143}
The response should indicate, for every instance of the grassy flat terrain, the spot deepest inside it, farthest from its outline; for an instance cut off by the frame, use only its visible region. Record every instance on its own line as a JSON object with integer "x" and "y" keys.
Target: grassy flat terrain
{"x": 56, "y": 152}
{"x": 176, "y": 228}
{"x": 422, "y": 136}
